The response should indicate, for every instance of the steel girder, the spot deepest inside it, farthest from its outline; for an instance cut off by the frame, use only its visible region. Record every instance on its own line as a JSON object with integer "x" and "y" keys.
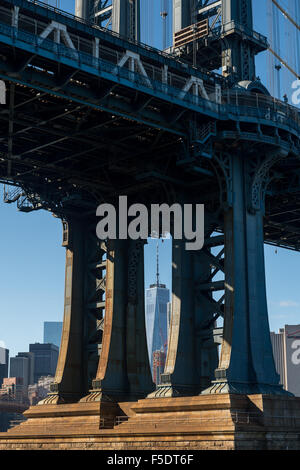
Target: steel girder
{"x": 102, "y": 355}
{"x": 192, "y": 352}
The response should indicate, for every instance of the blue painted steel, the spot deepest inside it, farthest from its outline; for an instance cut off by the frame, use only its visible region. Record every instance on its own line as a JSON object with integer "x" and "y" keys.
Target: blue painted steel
{"x": 38, "y": 9}
{"x": 246, "y": 363}
{"x": 106, "y": 70}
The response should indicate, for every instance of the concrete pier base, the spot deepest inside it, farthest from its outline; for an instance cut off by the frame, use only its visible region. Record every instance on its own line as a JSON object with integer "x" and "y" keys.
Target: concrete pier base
{"x": 223, "y": 421}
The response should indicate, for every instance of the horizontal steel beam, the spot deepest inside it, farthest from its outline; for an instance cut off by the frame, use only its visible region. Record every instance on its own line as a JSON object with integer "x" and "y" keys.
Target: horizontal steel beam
{"x": 212, "y": 286}
{"x": 104, "y": 11}
{"x": 209, "y": 7}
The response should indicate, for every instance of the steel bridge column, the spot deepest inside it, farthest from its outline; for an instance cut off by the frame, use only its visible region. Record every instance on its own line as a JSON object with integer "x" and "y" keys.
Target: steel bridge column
{"x": 123, "y": 371}
{"x": 94, "y": 302}
{"x": 180, "y": 374}
{"x": 84, "y": 9}
{"x": 182, "y": 14}
{"x": 192, "y": 355}
{"x": 205, "y": 311}
{"x": 69, "y": 383}
{"x": 246, "y": 363}
{"x": 126, "y": 18}
{"x": 138, "y": 367}
{"x": 238, "y": 53}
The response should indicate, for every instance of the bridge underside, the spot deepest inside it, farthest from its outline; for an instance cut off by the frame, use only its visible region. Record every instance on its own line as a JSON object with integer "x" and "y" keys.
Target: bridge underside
{"x": 73, "y": 135}
{"x": 69, "y": 156}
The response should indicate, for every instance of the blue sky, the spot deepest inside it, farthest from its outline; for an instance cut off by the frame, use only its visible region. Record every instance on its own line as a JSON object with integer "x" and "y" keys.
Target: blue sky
{"x": 32, "y": 259}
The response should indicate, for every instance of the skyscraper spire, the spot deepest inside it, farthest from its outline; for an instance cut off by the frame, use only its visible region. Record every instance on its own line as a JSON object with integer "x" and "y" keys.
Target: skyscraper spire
{"x": 157, "y": 265}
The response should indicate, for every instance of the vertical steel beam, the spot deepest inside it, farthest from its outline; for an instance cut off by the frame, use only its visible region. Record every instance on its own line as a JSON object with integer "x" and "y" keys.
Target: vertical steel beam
{"x": 124, "y": 15}
{"x": 138, "y": 367}
{"x": 111, "y": 376}
{"x": 94, "y": 303}
{"x": 83, "y": 312}
{"x": 192, "y": 355}
{"x": 182, "y": 14}
{"x": 69, "y": 383}
{"x": 180, "y": 375}
{"x": 205, "y": 310}
{"x": 239, "y": 11}
{"x": 126, "y": 18}
{"x": 246, "y": 363}
{"x": 123, "y": 371}
{"x": 238, "y": 54}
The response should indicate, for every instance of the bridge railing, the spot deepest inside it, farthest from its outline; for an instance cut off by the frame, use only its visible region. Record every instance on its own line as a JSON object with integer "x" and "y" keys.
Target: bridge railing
{"x": 81, "y": 58}
{"x": 123, "y": 38}
{"x": 263, "y": 107}
{"x": 233, "y": 25}
{"x": 232, "y": 102}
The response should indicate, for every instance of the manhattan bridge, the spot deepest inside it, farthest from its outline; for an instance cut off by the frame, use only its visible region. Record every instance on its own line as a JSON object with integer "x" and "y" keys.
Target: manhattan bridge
{"x": 91, "y": 113}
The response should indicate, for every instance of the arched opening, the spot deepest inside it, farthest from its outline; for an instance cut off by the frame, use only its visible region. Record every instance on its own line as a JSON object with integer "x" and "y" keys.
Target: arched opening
{"x": 158, "y": 298}
{"x": 32, "y": 294}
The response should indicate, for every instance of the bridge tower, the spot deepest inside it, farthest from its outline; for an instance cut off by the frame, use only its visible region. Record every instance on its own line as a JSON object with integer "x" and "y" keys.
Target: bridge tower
{"x": 122, "y": 15}
{"x": 218, "y": 34}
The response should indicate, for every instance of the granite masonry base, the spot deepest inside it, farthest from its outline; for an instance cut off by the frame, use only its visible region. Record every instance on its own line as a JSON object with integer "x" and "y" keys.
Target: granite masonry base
{"x": 205, "y": 422}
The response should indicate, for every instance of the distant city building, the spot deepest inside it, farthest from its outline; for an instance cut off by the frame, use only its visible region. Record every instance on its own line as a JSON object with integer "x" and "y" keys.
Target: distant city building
{"x": 278, "y": 353}
{"x": 158, "y": 361}
{"x": 286, "y": 351}
{"x": 39, "y": 391}
{"x": 33, "y": 394}
{"x": 45, "y": 359}
{"x": 30, "y": 357}
{"x": 13, "y": 389}
{"x": 4, "y": 359}
{"x": 19, "y": 367}
{"x": 52, "y": 332}
{"x": 8, "y": 420}
{"x": 157, "y": 298}
{"x": 23, "y": 366}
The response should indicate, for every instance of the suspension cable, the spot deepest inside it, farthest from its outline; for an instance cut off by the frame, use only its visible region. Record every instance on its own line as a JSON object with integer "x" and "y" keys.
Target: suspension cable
{"x": 276, "y": 54}
{"x": 284, "y": 63}
{"x": 286, "y": 14}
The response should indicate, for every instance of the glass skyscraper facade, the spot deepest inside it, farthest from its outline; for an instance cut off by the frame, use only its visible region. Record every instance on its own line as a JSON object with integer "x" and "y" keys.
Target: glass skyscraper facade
{"x": 52, "y": 332}
{"x": 157, "y": 311}
{"x": 4, "y": 358}
{"x": 23, "y": 366}
{"x": 157, "y": 298}
{"x": 45, "y": 359}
